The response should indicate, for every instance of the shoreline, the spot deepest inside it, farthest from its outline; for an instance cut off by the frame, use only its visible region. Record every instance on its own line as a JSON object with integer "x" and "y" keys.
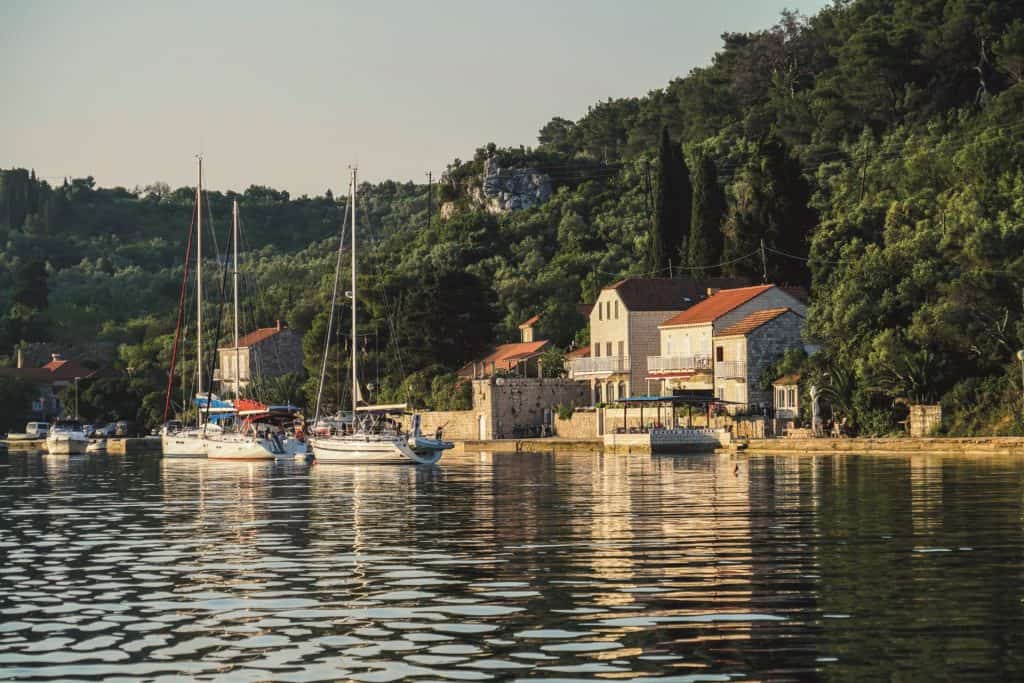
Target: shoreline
{"x": 975, "y": 446}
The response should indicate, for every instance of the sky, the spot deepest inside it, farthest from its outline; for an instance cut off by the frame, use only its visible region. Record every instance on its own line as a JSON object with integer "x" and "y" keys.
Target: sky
{"x": 289, "y": 94}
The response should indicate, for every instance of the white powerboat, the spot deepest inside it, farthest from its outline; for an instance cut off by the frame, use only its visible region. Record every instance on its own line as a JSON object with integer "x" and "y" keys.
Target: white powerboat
{"x": 66, "y": 438}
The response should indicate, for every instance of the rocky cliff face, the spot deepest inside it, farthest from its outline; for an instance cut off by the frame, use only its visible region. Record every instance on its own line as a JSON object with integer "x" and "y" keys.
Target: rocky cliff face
{"x": 512, "y": 189}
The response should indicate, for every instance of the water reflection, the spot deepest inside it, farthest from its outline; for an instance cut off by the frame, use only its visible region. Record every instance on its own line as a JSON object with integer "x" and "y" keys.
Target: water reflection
{"x": 582, "y": 567}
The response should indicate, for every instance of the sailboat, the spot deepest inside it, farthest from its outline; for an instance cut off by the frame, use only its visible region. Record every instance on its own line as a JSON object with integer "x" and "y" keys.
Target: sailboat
{"x": 207, "y": 439}
{"x": 371, "y": 437}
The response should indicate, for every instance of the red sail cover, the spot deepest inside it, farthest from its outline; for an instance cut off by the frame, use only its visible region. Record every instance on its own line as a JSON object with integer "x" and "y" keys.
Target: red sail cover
{"x": 246, "y": 406}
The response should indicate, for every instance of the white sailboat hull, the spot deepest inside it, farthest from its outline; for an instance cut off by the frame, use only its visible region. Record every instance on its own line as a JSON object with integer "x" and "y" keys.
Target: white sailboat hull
{"x": 183, "y": 445}
{"x": 220, "y": 447}
{"x": 368, "y": 449}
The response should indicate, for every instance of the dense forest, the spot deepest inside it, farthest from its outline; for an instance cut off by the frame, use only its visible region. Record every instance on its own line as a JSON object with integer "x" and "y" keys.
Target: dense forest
{"x": 872, "y": 152}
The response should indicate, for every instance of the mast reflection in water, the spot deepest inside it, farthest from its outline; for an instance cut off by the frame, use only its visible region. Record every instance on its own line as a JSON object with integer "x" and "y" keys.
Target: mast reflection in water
{"x": 505, "y": 566}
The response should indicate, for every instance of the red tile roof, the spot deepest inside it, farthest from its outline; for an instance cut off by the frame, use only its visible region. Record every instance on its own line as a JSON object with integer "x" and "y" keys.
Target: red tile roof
{"x": 582, "y": 352}
{"x": 507, "y": 356}
{"x": 668, "y": 293}
{"x": 57, "y": 370}
{"x": 716, "y": 305}
{"x": 754, "y": 321}
{"x": 257, "y": 336}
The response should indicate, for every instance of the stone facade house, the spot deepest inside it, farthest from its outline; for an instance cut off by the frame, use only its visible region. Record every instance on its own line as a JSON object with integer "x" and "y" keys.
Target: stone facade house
{"x": 692, "y": 360}
{"x": 624, "y": 330}
{"x": 263, "y": 353}
{"x": 747, "y": 348}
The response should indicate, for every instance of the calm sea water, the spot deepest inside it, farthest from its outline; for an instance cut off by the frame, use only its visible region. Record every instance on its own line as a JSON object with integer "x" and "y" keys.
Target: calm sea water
{"x": 499, "y": 567}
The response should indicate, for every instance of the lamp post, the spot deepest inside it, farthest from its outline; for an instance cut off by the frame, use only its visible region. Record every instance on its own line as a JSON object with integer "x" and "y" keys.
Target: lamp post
{"x": 76, "y": 398}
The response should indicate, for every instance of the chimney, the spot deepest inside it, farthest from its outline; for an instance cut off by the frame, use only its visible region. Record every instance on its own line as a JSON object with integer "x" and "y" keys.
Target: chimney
{"x": 280, "y": 325}
{"x": 21, "y": 358}
{"x": 56, "y": 357}
{"x": 712, "y": 291}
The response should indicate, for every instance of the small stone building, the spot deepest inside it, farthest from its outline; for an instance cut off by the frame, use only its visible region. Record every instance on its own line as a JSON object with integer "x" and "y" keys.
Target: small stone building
{"x": 786, "y": 393}
{"x": 263, "y": 353}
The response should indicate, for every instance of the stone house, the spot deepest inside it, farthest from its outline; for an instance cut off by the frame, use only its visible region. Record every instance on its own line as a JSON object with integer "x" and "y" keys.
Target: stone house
{"x": 745, "y": 349}
{"x": 519, "y": 358}
{"x": 691, "y": 359}
{"x": 263, "y": 353}
{"x": 624, "y": 330}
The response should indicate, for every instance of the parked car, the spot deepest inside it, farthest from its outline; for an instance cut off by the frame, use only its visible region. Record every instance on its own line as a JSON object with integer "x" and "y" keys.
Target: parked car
{"x": 37, "y": 430}
{"x": 103, "y": 431}
{"x": 126, "y": 428}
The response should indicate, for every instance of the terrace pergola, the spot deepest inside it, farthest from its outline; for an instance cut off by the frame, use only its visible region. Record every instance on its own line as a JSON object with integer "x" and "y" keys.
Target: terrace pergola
{"x": 659, "y": 402}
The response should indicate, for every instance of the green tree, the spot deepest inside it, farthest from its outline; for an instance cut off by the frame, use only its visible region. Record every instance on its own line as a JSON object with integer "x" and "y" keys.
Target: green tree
{"x": 672, "y": 207}
{"x": 30, "y": 286}
{"x": 705, "y": 243}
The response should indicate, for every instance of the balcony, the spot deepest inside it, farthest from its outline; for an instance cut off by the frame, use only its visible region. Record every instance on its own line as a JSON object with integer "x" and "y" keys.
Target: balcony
{"x": 600, "y": 365}
{"x": 667, "y": 364}
{"x": 731, "y": 369}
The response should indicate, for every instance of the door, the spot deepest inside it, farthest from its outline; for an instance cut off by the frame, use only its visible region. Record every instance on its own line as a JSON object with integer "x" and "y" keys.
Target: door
{"x": 483, "y": 427}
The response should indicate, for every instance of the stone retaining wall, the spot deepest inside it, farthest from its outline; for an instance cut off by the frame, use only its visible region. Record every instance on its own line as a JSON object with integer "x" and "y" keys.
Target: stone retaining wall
{"x": 582, "y": 425}
{"x": 993, "y": 445}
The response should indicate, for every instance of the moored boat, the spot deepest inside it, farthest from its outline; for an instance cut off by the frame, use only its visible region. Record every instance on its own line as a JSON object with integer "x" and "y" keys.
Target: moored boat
{"x": 66, "y": 437}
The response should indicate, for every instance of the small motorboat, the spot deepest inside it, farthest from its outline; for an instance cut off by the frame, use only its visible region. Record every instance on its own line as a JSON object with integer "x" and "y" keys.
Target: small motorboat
{"x": 97, "y": 446}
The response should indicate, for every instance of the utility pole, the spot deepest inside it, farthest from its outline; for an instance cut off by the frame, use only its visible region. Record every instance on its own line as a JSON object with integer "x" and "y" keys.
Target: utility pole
{"x": 430, "y": 192}
{"x": 764, "y": 262}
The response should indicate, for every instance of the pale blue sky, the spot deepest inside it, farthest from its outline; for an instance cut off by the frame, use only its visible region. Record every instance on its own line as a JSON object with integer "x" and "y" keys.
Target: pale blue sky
{"x": 289, "y": 94}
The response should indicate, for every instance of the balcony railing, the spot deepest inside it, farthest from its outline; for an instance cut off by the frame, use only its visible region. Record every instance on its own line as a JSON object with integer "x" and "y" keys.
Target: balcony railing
{"x": 679, "y": 364}
{"x": 601, "y": 365}
{"x": 731, "y": 369}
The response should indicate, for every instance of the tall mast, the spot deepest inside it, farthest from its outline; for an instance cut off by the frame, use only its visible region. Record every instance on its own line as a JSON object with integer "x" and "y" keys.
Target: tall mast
{"x": 355, "y": 379}
{"x": 199, "y": 282}
{"x": 234, "y": 238}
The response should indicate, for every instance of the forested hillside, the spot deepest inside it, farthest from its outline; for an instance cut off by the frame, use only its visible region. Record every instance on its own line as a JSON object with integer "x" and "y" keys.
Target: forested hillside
{"x": 875, "y": 149}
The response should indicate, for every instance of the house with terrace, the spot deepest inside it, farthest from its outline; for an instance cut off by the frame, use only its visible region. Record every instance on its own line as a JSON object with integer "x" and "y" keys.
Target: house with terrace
{"x": 624, "y": 330}
{"x": 716, "y": 347}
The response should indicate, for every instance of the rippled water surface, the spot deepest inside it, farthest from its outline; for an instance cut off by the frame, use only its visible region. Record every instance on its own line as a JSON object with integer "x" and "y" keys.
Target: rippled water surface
{"x": 512, "y": 566}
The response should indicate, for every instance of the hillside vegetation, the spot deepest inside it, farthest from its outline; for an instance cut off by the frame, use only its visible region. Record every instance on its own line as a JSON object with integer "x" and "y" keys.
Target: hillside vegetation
{"x": 874, "y": 149}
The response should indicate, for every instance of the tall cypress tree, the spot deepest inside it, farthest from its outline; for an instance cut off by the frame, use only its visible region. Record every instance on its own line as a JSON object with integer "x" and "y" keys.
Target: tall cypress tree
{"x": 671, "y": 226}
{"x": 708, "y": 212}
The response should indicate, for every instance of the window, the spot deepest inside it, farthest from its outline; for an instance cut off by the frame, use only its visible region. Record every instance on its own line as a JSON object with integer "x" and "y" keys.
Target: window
{"x": 622, "y": 390}
{"x": 597, "y": 393}
{"x": 622, "y": 349}
{"x": 597, "y": 349}
{"x": 609, "y": 390}
{"x": 609, "y": 311}
{"x": 607, "y": 348}
{"x": 780, "y": 400}
{"x": 792, "y": 397}
{"x": 616, "y": 309}
{"x": 719, "y": 354}
{"x": 600, "y": 311}
{"x": 720, "y": 392}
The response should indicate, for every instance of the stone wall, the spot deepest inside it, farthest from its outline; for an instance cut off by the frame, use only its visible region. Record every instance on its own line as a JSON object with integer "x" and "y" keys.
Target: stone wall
{"x": 925, "y": 420}
{"x": 516, "y": 407}
{"x": 582, "y": 425}
{"x": 764, "y": 346}
{"x": 513, "y": 408}
{"x": 458, "y": 425}
{"x": 277, "y": 355}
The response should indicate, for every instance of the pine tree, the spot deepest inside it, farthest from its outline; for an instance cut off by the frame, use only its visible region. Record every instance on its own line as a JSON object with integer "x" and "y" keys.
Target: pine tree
{"x": 708, "y": 212}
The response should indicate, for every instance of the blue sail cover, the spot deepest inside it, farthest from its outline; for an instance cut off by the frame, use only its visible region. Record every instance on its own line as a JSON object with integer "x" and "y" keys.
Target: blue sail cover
{"x": 215, "y": 406}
